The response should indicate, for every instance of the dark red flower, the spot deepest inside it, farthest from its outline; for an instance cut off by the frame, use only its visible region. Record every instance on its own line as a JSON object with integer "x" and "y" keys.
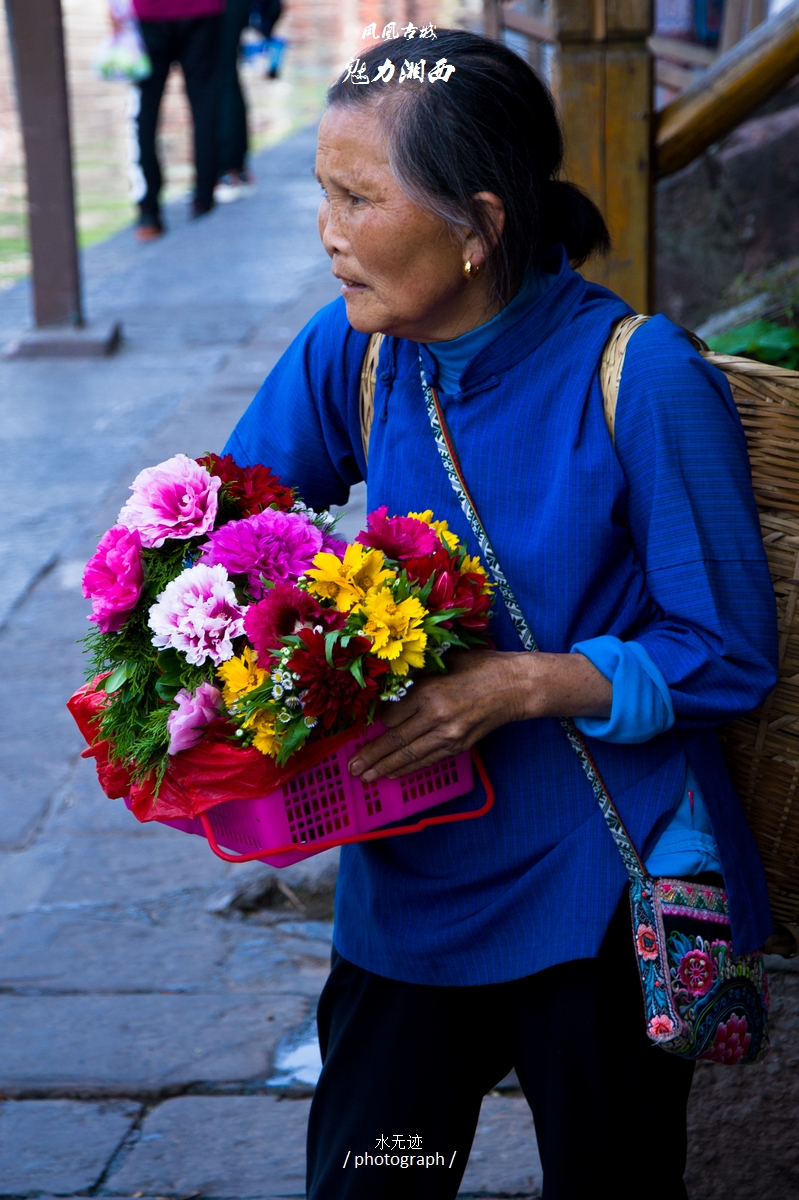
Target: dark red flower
{"x": 283, "y": 610}
{"x": 398, "y": 537}
{"x": 251, "y": 488}
{"x": 332, "y": 694}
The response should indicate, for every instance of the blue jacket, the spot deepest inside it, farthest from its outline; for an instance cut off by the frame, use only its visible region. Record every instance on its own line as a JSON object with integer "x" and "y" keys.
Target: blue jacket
{"x": 657, "y": 541}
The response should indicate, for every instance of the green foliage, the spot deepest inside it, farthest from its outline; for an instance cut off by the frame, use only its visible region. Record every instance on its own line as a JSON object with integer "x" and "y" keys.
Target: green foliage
{"x": 764, "y": 340}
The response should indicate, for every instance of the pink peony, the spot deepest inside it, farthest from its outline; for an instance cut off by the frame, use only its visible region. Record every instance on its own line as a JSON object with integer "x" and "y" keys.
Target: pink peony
{"x": 186, "y": 723}
{"x": 398, "y": 537}
{"x": 114, "y": 578}
{"x": 177, "y": 499}
{"x": 731, "y": 1043}
{"x": 197, "y": 614}
{"x": 277, "y": 545}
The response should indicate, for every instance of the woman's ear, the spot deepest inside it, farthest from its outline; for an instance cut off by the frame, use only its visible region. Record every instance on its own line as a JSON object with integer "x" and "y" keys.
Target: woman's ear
{"x": 474, "y": 246}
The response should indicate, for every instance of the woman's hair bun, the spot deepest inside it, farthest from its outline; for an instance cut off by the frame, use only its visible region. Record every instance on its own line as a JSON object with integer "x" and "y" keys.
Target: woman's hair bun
{"x": 573, "y": 219}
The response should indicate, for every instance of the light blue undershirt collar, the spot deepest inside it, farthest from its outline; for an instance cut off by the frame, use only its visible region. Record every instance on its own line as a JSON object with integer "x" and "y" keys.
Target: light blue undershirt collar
{"x": 453, "y": 357}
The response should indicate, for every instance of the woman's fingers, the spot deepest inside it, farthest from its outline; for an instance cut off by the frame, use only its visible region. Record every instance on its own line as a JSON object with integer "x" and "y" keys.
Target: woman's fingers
{"x": 439, "y": 721}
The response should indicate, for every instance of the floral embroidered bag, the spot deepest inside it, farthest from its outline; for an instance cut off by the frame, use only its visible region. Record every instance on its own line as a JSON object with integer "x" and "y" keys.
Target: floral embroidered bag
{"x": 701, "y": 999}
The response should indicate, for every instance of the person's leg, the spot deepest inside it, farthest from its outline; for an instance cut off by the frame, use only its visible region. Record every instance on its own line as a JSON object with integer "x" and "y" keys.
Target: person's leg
{"x": 609, "y": 1106}
{"x": 199, "y": 58}
{"x": 405, "y": 1070}
{"x": 232, "y": 114}
{"x": 157, "y": 38}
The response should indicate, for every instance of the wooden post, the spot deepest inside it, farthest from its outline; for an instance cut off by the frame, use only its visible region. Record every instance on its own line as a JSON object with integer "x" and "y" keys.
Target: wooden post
{"x": 37, "y": 41}
{"x": 602, "y": 81}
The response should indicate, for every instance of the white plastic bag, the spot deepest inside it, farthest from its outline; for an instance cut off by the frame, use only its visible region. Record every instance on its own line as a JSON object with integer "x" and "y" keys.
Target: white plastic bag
{"x": 122, "y": 55}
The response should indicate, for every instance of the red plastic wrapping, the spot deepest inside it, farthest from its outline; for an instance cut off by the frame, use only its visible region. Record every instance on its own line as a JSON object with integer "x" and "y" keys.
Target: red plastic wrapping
{"x": 210, "y": 773}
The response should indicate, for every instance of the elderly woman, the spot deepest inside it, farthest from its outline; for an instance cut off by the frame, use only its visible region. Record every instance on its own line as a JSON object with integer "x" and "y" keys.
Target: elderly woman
{"x": 469, "y": 949}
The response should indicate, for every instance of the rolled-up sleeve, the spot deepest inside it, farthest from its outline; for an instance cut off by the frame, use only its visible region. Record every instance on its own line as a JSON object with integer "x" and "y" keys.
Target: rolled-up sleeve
{"x": 695, "y": 527}
{"x": 304, "y": 421}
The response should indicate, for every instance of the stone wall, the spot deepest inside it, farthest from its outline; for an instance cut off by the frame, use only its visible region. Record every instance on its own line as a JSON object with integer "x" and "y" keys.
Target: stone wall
{"x": 733, "y": 211}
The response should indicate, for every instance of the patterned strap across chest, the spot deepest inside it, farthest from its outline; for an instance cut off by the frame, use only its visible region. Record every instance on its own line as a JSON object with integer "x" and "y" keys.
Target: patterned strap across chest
{"x": 449, "y": 458}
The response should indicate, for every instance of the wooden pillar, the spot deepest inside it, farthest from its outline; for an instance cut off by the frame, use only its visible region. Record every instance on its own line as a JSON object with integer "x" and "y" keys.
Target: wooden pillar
{"x": 602, "y": 80}
{"x": 492, "y": 19}
{"x": 37, "y": 43}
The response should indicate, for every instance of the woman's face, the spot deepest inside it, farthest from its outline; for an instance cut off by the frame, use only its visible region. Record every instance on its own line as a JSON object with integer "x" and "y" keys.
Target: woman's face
{"x": 400, "y": 267}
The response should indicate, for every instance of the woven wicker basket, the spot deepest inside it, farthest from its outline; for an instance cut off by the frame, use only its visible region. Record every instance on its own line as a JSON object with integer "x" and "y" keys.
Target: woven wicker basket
{"x": 762, "y": 749}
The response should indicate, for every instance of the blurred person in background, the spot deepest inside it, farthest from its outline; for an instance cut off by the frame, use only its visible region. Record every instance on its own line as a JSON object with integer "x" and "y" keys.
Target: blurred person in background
{"x": 188, "y": 32}
{"x": 235, "y": 177}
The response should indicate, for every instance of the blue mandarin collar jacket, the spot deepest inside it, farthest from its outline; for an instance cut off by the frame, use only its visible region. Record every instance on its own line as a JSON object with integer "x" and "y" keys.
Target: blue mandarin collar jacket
{"x": 655, "y": 540}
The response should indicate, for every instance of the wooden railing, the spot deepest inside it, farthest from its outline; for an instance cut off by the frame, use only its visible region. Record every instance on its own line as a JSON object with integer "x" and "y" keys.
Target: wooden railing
{"x": 724, "y": 95}
{"x": 601, "y": 72}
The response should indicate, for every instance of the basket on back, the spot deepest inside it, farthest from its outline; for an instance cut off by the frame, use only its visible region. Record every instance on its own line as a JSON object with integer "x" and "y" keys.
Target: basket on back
{"x": 762, "y": 749}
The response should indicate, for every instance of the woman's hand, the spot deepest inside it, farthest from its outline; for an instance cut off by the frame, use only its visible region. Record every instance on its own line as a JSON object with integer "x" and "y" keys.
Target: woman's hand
{"x": 445, "y": 714}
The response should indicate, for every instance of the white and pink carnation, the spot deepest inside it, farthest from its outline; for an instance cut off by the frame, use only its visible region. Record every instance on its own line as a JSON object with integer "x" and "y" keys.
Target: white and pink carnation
{"x": 176, "y": 499}
{"x": 198, "y": 615}
{"x": 187, "y": 723}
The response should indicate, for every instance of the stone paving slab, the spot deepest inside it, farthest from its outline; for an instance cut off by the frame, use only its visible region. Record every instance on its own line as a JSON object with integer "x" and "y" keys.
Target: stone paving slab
{"x": 254, "y": 1146}
{"x": 233, "y": 1146}
{"x": 160, "y": 950}
{"x": 504, "y": 1159}
{"x": 134, "y": 1044}
{"x": 59, "y": 1144}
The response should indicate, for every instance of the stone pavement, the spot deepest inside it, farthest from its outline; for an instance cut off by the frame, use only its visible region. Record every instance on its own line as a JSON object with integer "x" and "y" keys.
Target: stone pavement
{"x": 156, "y": 1004}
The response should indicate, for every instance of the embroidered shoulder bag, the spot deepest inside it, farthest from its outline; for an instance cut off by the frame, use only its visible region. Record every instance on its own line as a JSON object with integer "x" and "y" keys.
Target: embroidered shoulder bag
{"x": 701, "y": 999}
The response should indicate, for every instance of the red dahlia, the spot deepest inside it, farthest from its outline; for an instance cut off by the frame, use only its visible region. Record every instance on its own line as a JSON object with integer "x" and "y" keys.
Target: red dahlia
{"x": 252, "y": 488}
{"x": 333, "y": 694}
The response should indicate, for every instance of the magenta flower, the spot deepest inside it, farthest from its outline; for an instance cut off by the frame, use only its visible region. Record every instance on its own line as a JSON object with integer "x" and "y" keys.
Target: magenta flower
{"x": 197, "y": 614}
{"x": 333, "y": 545}
{"x": 279, "y": 546}
{"x": 398, "y": 537}
{"x": 114, "y": 578}
{"x": 697, "y": 972}
{"x": 283, "y": 610}
{"x": 186, "y": 723}
{"x": 177, "y": 499}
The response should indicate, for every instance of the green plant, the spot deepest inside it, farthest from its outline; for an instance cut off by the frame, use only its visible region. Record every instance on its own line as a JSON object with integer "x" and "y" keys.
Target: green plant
{"x": 763, "y": 340}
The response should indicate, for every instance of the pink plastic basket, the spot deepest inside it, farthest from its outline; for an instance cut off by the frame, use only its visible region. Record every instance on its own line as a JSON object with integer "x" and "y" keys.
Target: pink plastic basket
{"x": 326, "y": 806}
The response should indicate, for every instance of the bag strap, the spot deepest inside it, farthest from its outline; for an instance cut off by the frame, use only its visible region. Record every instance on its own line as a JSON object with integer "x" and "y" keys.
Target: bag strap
{"x": 366, "y": 399}
{"x": 446, "y": 448}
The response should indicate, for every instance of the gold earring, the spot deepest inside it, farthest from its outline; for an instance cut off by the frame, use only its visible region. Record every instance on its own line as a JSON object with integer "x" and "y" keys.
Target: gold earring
{"x": 467, "y": 268}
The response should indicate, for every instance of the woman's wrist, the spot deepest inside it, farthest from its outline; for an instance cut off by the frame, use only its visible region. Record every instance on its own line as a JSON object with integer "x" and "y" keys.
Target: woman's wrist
{"x": 558, "y": 685}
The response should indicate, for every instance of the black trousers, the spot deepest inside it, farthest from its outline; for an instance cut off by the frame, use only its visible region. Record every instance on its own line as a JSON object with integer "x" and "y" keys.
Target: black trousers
{"x": 408, "y": 1059}
{"x": 195, "y": 45}
{"x": 232, "y": 123}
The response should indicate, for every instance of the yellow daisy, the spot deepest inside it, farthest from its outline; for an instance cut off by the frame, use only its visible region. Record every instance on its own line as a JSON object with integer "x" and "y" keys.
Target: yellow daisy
{"x": 395, "y": 629}
{"x": 264, "y": 726}
{"x": 240, "y": 675}
{"x": 348, "y": 580}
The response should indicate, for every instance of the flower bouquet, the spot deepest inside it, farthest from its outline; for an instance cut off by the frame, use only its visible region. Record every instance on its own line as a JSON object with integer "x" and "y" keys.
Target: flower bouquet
{"x": 240, "y": 647}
